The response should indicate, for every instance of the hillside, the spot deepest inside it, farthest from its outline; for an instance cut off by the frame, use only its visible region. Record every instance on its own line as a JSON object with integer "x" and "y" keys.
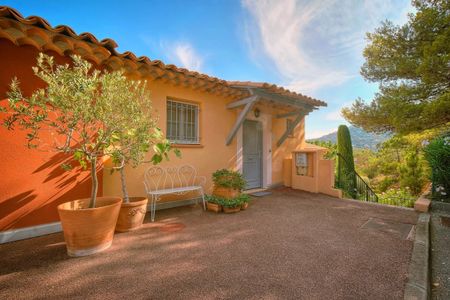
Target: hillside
{"x": 360, "y": 138}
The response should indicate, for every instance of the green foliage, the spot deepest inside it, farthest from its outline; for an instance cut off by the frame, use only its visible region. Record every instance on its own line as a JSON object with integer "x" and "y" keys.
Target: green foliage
{"x": 226, "y": 202}
{"x": 437, "y": 153}
{"x": 88, "y": 113}
{"x": 397, "y": 197}
{"x": 332, "y": 148}
{"x": 411, "y": 64}
{"x": 411, "y": 173}
{"x": 133, "y": 143}
{"x": 213, "y": 199}
{"x": 398, "y": 162}
{"x": 228, "y": 179}
{"x": 386, "y": 183}
{"x": 346, "y": 165}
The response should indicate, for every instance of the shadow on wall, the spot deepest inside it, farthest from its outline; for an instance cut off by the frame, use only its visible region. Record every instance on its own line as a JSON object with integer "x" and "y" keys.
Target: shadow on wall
{"x": 38, "y": 206}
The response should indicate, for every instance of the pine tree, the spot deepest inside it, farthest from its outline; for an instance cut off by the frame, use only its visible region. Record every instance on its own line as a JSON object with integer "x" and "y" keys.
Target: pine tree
{"x": 411, "y": 173}
{"x": 346, "y": 165}
{"x": 411, "y": 64}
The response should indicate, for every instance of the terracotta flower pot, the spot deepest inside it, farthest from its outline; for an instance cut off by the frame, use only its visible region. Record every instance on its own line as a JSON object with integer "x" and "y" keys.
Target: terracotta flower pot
{"x": 89, "y": 230}
{"x": 225, "y": 192}
{"x": 244, "y": 205}
{"x": 132, "y": 214}
{"x": 230, "y": 210}
{"x": 214, "y": 207}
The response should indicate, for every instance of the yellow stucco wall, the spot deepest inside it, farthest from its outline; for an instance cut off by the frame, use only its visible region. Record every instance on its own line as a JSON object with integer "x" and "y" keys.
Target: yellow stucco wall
{"x": 215, "y": 124}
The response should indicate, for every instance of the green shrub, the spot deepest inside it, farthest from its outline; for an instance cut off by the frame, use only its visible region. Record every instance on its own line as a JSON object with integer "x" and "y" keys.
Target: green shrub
{"x": 411, "y": 173}
{"x": 228, "y": 179}
{"x": 397, "y": 197}
{"x": 213, "y": 199}
{"x": 346, "y": 166}
{"x": 233, "y": 202}
{"x": 386, "y": 183}
{"x": 332, "y": 148}
{"x": 437, "y": 153}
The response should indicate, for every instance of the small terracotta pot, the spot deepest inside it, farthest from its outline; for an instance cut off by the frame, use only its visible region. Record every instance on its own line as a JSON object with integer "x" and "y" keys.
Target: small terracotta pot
{"x": 244, "y": 205}
{"x": 231, "y": 210}
{"x": 89, "y": 230}
{"x": 214, "y": 207}
{"x": 224, "y": 192}
{"x": 132, "y": 214}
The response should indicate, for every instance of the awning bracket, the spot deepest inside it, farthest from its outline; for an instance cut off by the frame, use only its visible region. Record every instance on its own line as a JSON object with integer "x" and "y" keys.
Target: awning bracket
{"x": 290, "y": 129}
{"x": 240, "y": 120}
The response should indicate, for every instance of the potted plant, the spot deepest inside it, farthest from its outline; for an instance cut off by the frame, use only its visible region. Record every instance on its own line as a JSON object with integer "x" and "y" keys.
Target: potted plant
{"x": 245, "y": 200}
{"x": 231, "y": 205}
{"x": 227, "y": 183}
{"x": 85, "y": 111}
{"x": 213, "y": 203}
{"x": 131, "y": 148}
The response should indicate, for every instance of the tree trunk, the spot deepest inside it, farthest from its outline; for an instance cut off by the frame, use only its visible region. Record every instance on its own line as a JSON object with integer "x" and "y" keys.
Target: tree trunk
{"x": 94, "y": 182}
{"x": 126, "y": 199}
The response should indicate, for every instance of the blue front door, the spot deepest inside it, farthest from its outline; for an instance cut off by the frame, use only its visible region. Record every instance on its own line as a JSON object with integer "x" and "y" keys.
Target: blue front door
{"x": 252, "y": 153}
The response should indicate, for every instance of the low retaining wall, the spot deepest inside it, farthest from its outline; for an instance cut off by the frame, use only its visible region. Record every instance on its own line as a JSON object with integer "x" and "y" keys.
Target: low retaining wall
{"x": 418, "y": 284}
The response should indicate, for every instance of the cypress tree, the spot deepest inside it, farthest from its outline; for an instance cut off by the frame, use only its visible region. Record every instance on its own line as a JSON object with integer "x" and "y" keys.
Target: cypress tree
{"x": 346, "y": 166}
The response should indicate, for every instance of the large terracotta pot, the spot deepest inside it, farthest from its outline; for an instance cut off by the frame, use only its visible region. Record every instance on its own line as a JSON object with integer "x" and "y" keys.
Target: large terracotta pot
{"x": 132, "y": 214}
{"x": 89, "y": 230}
{"x": 225, "y": 192}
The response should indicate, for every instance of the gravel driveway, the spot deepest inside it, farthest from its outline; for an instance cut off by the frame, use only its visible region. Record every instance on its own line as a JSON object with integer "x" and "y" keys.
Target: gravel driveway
{"x": 289, "y": 245}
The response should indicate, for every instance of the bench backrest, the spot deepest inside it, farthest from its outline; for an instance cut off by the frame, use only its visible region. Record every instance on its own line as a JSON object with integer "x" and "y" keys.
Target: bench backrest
{"x": 158, "y": 178}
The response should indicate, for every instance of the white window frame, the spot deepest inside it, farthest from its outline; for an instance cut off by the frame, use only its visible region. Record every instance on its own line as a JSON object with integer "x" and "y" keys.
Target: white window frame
{"x": 181, "y": 138}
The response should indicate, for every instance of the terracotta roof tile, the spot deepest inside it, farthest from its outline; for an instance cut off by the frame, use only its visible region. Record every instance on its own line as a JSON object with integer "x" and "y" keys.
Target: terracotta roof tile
{"x": 104, "y": 52}
{"x": 275, "y": 89}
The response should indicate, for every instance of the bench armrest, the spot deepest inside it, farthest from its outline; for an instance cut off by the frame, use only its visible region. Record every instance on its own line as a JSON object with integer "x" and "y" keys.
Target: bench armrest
{"x": 201, "y": 180}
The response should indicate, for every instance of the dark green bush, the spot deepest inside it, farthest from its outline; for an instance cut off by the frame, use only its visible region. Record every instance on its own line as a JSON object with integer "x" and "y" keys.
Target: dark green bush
{"x": 346, "y": 165}
{"x": 437, "y": 153}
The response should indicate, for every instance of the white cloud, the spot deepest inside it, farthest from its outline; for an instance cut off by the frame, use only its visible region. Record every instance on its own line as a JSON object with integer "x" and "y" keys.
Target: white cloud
{"x": 314, "y": 44}
{"x": 187, "y": 57}
{"x": 180, "y": 53}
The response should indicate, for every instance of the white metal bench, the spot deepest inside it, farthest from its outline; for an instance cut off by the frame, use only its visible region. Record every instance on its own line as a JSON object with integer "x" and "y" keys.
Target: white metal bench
{"x": 172, "y": 180}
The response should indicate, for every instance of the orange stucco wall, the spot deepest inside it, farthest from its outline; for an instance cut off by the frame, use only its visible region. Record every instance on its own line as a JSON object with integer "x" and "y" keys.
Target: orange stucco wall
{"x": 326, "y": 178}
{"x": 32, "y": 183}
{"x": 322, "y": 175}
{"x": 215, "y": 124}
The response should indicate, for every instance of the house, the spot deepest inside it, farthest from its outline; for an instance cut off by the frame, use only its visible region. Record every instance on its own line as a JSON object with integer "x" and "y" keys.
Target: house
{"x": 247, "y": 126}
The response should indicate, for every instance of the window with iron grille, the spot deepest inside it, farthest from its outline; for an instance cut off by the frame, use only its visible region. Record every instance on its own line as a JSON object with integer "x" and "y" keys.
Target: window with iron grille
{"x": 182, "y": 122}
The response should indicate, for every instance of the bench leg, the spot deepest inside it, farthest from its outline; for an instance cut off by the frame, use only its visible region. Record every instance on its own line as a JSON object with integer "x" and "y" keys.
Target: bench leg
{"x": 203, "y": 199}
{"x": 153, "y": 207}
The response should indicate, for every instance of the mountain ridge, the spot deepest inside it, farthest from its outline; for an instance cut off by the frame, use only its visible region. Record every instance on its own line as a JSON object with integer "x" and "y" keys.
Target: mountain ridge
{"x": 360, "y": 138}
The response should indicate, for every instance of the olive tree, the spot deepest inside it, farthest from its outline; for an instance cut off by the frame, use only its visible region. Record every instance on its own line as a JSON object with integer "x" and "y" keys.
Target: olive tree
{"x": 134, "y": 143}
{"x": 86, "y": 111}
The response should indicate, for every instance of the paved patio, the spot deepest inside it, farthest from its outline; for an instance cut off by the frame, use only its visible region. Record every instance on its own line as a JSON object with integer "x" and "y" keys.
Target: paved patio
{"x": 290, "y": 245}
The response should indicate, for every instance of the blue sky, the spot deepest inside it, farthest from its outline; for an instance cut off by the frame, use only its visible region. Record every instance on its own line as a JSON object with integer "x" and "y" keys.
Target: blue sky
{"x": 312, "y": 47}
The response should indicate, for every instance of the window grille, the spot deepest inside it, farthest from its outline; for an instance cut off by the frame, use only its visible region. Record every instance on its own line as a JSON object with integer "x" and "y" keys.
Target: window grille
{"x": 182, "y": 122}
